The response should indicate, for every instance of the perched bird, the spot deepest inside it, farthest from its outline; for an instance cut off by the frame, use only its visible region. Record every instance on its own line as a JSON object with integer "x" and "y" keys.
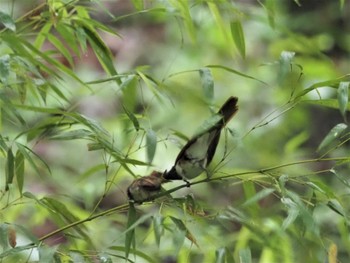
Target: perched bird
{"x": 197, "y": 154}
{"x": 145, "y": 188}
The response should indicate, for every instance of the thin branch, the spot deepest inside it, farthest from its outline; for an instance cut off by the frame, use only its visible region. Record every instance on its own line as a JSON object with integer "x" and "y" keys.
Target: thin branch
{"x": 124, "y": 206}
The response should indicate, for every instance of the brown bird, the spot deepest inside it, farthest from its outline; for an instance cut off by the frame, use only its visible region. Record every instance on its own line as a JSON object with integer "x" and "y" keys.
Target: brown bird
{"x": 146, "y": 188}
{"x": 197, "y": 154}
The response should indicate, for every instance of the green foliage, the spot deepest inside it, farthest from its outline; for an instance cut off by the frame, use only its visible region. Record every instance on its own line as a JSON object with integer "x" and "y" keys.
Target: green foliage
{"x": 94, "y": 95}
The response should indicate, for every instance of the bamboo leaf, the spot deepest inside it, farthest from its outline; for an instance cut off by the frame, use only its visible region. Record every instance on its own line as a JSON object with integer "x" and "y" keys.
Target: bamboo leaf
{"x": 23, "y": 149}
{"x": 46, "y": 253}
{"x": 336, "y": 207}
{"x": 73, "y": 135}
{"x": 10, "y": 168}
{"x": 207, "y": 83}
{"x": 132, "y": 118}
{"x": 235, "y": 72}
{"x": 130, "y": 232}
{"x": 19, "y": 170}
{"x": 220, "y": 255}
{"x": 151, "y": 145}
{"x": 292, "y": 210}
{"x": 334, "y": 83}
{"x": 258, "y": 196}
{"x": 333, "y": 134}
{"x": 158, "y": 228}
{"x": 61, "y": 48}
{"x": 7, "y": 21}
{"x": 71, "y": 36}
{"x": 238, "y": 37}
{"x": 245, "y": 255}
{"x": 138, "y": 4}
{"x": 4, "y": 68}
{"x": 182, "y": 228}
{"x": 229, "y": 256}
{"x": 343, "y": 97}
{"x": 3, "y": 236}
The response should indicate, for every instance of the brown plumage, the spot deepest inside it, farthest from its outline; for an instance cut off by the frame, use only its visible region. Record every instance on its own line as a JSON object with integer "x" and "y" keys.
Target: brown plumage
{"x": 146, "y": 187}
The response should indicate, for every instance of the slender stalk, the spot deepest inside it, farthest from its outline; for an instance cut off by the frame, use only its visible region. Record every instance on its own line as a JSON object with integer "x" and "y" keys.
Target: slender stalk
{"x": 124, "y": 206}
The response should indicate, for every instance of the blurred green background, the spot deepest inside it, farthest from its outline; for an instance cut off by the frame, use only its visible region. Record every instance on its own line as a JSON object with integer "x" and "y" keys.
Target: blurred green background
{"x": 94, "y": 94}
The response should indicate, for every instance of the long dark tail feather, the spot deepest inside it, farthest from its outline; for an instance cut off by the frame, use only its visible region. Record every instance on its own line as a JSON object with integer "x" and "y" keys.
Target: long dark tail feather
{"x": 172, "y": 175}
{"x": 228, "y": 110}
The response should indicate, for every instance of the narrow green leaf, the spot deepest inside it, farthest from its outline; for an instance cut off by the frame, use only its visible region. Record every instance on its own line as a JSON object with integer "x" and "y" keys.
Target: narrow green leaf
{"x": 303, "y": 213}
{"x": 337, "y": 207}
{"x": 184, "y": 9}
{"x": 292, "y": 211}
{"x": 295, "y": 142}
{"x": 341, "y": 178}
{"x": 158, "y": 228}
{"x": 31, "y": 196}
{"x": 73, "y": 135}
{"x": 182, "y": 228}
{"x": 60, "y": 208}
{"x": 22, "y": 91}
{"x": 10, "y": 171}
{"x": 235, "y": 72}
{"x": 23, "y": 149}
{"x": 138, "y": 4}
{"x": 7, "y": 21}
{"x": 129, "y": 87}
{"x": 19, "y": 170}
{"x": 151, "y": 84}
{"x": 269, "y": 6}
{"x": 133, "y": 161}
{"x": 343, "y": 97}
{"x": 61, "y": 48}
{"x": 132, "y": 118}
{"x": 102, "y": 52}
{"x": 330, "y": 103}
{"x": 334, "y": 83}
{"x": 11, "y": 109}
{"x": 3, "y": 146}
{"x": 82, "y": 39}
{"x": 39, "y": 109}
{"x": 245, "y": 256}
{"x": 229, "y": 256}
{"x": 238, "y": 37}
{"x": 258, "y": 196}
{"x": 3, "y": 237}
{"x": 151, "y": 145}
{"x": 146, "y": 256}
{"x": 40, "y": 39}
{"x": 46, "y": 253}
{"x": 207, "y": 83}
{"x": 220, "y": 255}
{"x": 217, "y": 14}
{"x": 71, "y": 36}
{"x": 4, "y": 68}
{"x": 297, "y": 2}
{"x": 77, "y": 256}
{"x": 249, "y": 193}
{"x": 334, "y": 133}
{"x": 130, "y": 234}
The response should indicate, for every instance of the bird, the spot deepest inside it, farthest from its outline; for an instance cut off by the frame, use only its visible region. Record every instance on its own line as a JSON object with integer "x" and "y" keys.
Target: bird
{"x": 196, "y": 155}
{"x": 146, "y": 188}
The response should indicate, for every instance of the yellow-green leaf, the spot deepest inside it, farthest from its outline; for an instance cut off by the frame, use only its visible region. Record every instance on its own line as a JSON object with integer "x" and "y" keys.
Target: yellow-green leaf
{"x": 238, "y": 37}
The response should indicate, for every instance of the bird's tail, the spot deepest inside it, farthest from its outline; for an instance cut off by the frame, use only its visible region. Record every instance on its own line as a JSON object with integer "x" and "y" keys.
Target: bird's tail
{"x": 228, "y": 110}
{"x": 172, "y": 174}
